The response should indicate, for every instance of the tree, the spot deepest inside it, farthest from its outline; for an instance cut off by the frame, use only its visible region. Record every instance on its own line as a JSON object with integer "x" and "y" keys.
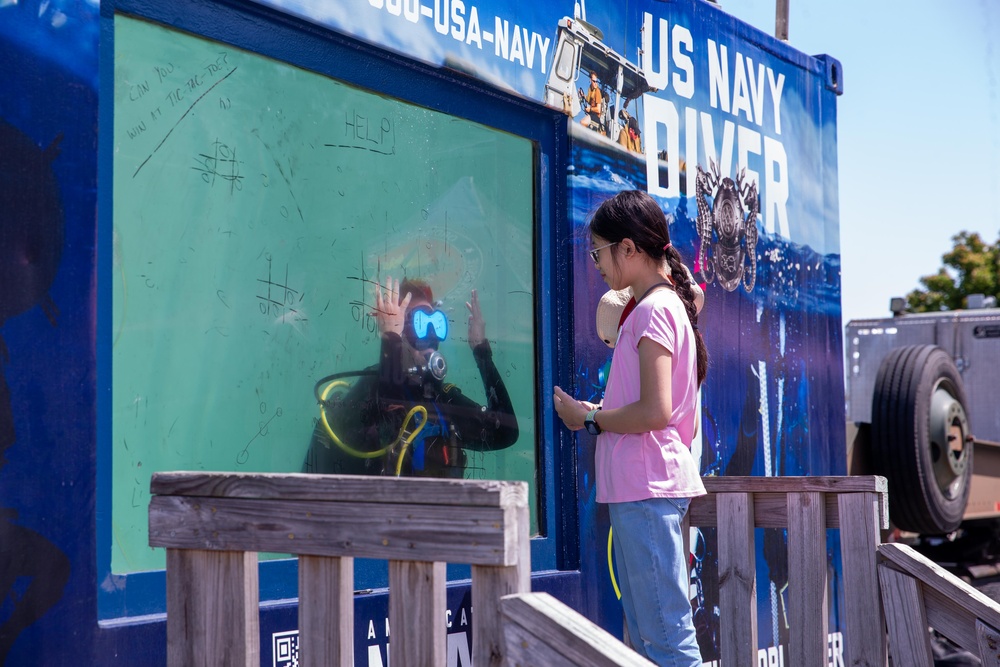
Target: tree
{"x": 971, "y": 267}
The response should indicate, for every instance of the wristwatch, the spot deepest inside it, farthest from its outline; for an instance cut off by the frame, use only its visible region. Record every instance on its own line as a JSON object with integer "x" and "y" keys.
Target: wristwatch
{"x": 590, "y": 424}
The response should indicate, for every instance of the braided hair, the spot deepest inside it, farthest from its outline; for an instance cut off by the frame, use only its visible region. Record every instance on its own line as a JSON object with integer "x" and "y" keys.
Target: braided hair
{"x": 633, "y": 214}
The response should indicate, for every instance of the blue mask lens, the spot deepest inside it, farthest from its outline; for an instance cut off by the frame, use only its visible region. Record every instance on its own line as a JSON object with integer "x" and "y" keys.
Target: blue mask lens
{"x": 424, "y": 322}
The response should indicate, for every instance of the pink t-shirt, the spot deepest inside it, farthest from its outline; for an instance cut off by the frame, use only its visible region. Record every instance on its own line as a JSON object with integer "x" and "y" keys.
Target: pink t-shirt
{"x": 656, "y": 464}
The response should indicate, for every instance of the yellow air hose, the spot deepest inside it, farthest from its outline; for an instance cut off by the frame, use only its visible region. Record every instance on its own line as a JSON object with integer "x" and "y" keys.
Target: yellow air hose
{"x": 611, "y": 567}
{"x": 407, "y": 440}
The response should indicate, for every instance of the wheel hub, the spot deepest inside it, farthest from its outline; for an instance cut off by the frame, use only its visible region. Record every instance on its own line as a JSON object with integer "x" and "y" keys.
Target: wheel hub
{"x": 948, "y": 428}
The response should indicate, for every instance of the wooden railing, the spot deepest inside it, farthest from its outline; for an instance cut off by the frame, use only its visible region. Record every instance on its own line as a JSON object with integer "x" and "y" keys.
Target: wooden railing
{"x": 806, "y": 507}
{"x": 214, "y": 524}
{"x": 541, "y": 630}
{"x": 918, "y": 593}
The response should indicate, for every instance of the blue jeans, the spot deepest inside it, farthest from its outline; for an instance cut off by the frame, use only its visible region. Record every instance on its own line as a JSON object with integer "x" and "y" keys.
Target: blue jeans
{"x": 653, "y": 577}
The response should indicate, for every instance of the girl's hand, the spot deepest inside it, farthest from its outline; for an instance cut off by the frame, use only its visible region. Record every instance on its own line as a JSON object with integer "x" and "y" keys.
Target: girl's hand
{"x": 477, "y": 327}
{"x": 570, "y": 410}
{"x": 390, "y": 314}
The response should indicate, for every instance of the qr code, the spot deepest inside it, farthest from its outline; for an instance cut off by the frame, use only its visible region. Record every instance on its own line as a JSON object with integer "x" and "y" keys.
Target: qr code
{"x": 285, "y": 648}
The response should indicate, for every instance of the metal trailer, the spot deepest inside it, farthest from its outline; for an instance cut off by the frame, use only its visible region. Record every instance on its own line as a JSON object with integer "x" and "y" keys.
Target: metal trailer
{"x": 922, "y": 410}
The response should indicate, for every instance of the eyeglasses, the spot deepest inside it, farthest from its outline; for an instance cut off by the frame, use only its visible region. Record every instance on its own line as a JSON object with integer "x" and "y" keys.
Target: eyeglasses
{"x": 593, "y": 252}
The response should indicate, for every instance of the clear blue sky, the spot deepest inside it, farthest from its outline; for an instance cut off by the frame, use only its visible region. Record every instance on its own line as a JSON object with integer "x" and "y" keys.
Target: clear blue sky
{"x": 918, "y": 131}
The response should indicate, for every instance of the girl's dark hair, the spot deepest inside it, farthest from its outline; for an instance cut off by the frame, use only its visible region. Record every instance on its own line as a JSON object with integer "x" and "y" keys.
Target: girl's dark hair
{"x": 633, "y": 214}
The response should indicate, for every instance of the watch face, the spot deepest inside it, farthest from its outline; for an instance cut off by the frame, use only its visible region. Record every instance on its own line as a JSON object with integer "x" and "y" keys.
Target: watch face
{"x": 591, "y": 427}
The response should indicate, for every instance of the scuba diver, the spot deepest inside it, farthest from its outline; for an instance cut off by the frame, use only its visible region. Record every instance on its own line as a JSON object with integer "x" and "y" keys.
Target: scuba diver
{"x": 400, "y": 418}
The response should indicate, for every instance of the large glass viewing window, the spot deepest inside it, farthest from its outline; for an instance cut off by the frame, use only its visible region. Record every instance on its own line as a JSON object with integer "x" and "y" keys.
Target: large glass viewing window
{"x": 258, "y": 207}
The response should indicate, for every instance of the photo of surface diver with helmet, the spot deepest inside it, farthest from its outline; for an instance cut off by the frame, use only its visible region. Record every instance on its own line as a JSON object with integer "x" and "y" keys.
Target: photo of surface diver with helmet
{"x": 399, "y": 417}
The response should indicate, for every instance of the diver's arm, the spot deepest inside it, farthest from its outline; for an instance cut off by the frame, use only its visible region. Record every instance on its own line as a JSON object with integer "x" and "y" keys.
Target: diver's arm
{"x": 391, "y": 371}
{"x": 355, "y": 415}
{"x": 479, "y": 427}
{"x": 381, "y": 381}
{"x": 493, "y": 426}
{"x": 390, "y": 315}
{"x": 499, "y": 409}
{"x": 353, "y": 422}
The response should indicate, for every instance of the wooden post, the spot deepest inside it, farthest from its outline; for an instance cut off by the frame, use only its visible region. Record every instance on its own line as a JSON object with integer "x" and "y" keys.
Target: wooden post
{"x": 909, "y": 641}
{"x": 326, "y": 611}
{"x": 417, "y": 608}
{"x": 807, "y": 579}
{"x": 864, "y": 629}
{"x": 737, "y": 580}
{"x": 489, "y": 585}
{"x": 212, "y": 609}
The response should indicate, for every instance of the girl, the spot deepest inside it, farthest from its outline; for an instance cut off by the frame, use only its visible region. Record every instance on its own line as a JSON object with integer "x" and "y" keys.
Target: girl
{"x": 644, "y": 467}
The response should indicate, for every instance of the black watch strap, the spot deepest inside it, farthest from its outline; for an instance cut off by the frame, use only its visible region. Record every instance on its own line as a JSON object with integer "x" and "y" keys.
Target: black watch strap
{"x": 590, "y": 422}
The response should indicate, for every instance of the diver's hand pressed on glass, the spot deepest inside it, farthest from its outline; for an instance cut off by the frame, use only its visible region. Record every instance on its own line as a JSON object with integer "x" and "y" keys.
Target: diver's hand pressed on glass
{"x": 477, "y": 327}
{"x": 390, "y": 314}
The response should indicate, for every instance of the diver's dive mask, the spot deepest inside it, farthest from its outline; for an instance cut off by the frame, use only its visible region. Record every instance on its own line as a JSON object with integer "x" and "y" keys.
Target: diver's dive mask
{"x": 425, "y": 327}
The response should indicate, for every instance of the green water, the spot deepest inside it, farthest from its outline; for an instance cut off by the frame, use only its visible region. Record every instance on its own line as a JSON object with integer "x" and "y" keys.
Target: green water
{"x": 253, "y": 204}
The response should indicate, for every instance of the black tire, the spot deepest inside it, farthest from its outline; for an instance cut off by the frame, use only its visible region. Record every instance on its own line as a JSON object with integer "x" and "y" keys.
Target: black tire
{"x": 918, "y": 434}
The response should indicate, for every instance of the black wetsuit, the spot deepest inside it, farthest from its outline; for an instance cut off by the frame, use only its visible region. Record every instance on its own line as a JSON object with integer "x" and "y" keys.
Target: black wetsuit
{"x": 370, "y": 415}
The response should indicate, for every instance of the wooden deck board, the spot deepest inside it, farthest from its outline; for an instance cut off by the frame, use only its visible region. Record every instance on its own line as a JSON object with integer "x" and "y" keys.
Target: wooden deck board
{"x": 349, "y": 488}
{"x": 473, "y": 535}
